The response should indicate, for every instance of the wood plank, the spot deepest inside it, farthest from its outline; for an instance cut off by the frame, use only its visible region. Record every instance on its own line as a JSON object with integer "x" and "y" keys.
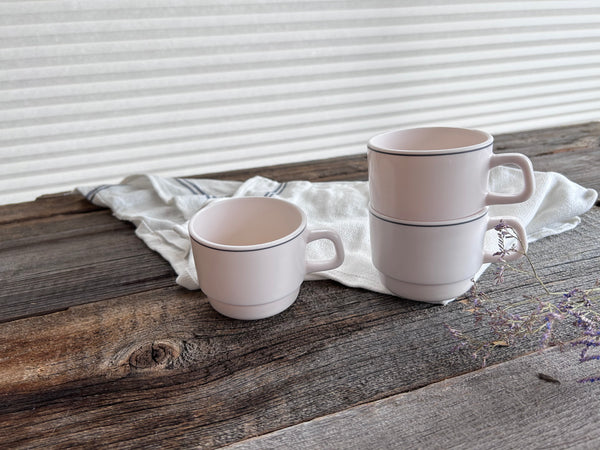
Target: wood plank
{"x": 64, "y": 260}
{"x": 43, "y": 207}
{"x": 28, "y": 230}
{"x": 572, "y": 150}
{"x": 161, "y": 368}
{"x": 61, "y": 250}
{"x": 104, "y": 364}
{"x": 505, "y": 406}
{"x": 157, "y": 365}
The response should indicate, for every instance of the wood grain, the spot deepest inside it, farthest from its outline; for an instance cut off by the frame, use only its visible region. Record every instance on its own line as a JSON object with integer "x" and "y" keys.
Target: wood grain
{"x": 46, "y": 206}
{"x": 101, "y": 349}
{"x": 61, "y": 250}
{"x": 163, "y": 362}
{"x": 506, "y": 406}
{"x": 572, "y": 150}
{"x": 64, "y": 260}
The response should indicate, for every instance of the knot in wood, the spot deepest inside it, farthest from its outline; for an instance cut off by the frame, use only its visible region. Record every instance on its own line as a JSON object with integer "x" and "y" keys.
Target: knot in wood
{"x": 154, "y": 355}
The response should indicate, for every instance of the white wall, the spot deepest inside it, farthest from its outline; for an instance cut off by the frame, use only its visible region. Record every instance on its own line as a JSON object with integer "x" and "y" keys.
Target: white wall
{"x": 91, "y": 91}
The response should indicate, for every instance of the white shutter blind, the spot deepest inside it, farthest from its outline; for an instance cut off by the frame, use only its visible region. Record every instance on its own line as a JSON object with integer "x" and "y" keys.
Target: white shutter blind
{"x": 92, "y": 91}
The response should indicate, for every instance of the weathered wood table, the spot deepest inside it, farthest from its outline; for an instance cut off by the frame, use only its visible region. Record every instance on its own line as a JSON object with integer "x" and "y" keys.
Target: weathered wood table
{"x": 99, "y": 347}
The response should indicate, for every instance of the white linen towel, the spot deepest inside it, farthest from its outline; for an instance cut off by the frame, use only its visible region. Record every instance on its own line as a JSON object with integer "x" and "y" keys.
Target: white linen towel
{"x": 161, "y": 207}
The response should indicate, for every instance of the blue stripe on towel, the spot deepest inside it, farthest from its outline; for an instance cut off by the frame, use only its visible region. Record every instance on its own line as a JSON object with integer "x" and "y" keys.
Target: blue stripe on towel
{"x": 192, "y": 187}
{"x": 90, "y": 195}
{"x": 277, "y": 191}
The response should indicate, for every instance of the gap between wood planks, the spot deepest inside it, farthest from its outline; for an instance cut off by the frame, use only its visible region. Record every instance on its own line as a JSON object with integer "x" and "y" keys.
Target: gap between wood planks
{"x": 532, "y": 401}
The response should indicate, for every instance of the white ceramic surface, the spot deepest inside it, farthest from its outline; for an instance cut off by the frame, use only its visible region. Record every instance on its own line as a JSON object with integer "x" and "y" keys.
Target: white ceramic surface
{"x": 434, "y": 263}
{"x": 250, "y": 254}
{"x": 438, "y": 173}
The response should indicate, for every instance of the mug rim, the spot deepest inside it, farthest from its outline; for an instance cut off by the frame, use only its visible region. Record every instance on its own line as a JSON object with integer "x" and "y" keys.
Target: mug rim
{"x": 429, "y": 224}
{"x": 429, "y": 152}
{"x": 245, "y": 248}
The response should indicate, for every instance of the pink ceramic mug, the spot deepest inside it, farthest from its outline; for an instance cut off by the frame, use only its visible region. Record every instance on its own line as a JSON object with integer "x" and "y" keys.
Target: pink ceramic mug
{"x": 434, "y": 262}
{"x": 438, "y": 173}
{"x": 250, "y": 254}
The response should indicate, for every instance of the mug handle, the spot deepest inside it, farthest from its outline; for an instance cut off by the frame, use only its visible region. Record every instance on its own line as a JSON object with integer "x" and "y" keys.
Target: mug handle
{"x": 517, "y": 226}
{"x": 524, "y": 164}
{"x": 328, "y": 264}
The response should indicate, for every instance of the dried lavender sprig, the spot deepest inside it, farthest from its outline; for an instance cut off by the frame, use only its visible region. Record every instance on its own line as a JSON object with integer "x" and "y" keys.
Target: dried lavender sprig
{"x": 508, "y": 327}
{"x": 589, "y": 379}
{"x": 506, "y": 232}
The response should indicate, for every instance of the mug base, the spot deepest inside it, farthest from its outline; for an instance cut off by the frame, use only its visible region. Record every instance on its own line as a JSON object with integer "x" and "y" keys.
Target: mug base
{"x": 430, "y": 293}
{"x": 254, "y": 312}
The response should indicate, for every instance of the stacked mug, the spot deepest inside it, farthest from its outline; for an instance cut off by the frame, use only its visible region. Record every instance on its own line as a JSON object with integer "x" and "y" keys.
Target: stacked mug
{"x": 428, "y": 209}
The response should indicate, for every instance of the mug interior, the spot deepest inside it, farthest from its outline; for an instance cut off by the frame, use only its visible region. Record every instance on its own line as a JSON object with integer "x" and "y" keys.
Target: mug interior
{"x": 431, "y": 140}
{"x": 247, "y": 222}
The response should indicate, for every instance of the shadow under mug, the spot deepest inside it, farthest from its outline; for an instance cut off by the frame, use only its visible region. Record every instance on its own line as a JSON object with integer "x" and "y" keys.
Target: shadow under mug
{"x": 250, "y": 254}
{"x": 438, "y": 173}
{"x": 435, "y": 262}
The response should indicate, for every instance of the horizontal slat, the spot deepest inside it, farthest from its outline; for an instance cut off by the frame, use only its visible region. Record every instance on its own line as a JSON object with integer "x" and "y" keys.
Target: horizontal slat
{"x": 395, "y": 67}
{"x": 73, "y": 32}
{"x": 298, "y": 97}
{"x": 243, "y": 133}
{"x": 140, "y": 49}
{"x": 313, "y": 38}
{"x": 324, "y": 137}
{"x": 15, "y": 37}
{"x": 373, "y": 56}
{"x": 357, "y": 82}
{"x": 442, "y": 6}
{"x": 280, "y": 114}
{"x": 93, "y": 91}
{"x": 44, "y": 12}
{"x": 500, "y": 123}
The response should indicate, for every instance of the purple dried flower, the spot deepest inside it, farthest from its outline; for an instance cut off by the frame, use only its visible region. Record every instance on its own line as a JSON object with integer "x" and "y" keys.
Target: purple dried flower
{"x": 587, "y": 343}
{"x": 548, "y": 333}
{"x": 499, "y": 275}
{"x": 589, "y": 380}
{"x": 545, "y": 313}
{"x": 567, "y": 296}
